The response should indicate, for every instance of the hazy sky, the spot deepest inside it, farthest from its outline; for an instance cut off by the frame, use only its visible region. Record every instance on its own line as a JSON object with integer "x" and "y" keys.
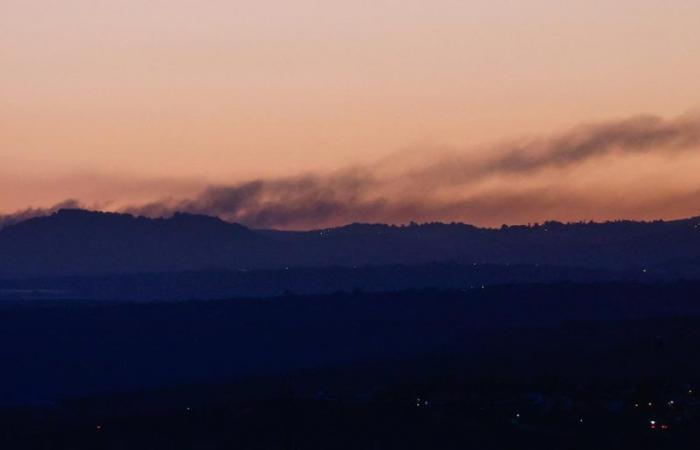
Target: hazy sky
{"x": 115, "y": 103}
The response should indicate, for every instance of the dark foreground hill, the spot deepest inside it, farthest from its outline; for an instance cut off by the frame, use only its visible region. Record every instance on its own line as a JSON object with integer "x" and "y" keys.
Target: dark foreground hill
{"x": 77, "y": 242}
{"x": 592, "y": 366}
{"x": 68, "y": 348}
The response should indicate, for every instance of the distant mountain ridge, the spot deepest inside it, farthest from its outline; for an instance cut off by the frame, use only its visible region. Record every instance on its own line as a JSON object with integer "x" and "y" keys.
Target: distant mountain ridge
{"x": 80, "y": 242}
{"x": 73, "y": 241}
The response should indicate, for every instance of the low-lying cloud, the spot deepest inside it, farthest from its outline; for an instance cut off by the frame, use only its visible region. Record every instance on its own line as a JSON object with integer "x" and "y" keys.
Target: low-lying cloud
{"x": 29, "y": 213}
{"x": 640, "y": 134}
{"x": 362, "y": 194}
{"x": 452, "y": 187}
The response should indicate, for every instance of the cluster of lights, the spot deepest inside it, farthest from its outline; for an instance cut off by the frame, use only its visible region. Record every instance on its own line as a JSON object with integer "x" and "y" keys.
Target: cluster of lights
{"x": 420, "y": 402}
{"x": 654, "y": 425}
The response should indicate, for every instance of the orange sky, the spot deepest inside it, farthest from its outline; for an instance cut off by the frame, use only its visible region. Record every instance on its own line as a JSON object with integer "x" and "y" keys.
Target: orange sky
{"x": 116, "y": 103}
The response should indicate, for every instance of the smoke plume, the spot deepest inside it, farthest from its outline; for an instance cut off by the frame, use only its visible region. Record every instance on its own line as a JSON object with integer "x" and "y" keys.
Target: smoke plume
{"x": 362, "y": 194}
{"x": 488, "y": 185}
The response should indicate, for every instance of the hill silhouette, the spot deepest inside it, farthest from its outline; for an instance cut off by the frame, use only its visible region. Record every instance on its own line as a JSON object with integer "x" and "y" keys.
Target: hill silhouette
{"x": 73, "y": 241}
{"x": 80, "y": 242}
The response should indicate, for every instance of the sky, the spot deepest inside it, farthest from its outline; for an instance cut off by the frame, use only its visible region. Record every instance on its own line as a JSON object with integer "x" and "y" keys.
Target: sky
{"x": 307, "y": 114}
